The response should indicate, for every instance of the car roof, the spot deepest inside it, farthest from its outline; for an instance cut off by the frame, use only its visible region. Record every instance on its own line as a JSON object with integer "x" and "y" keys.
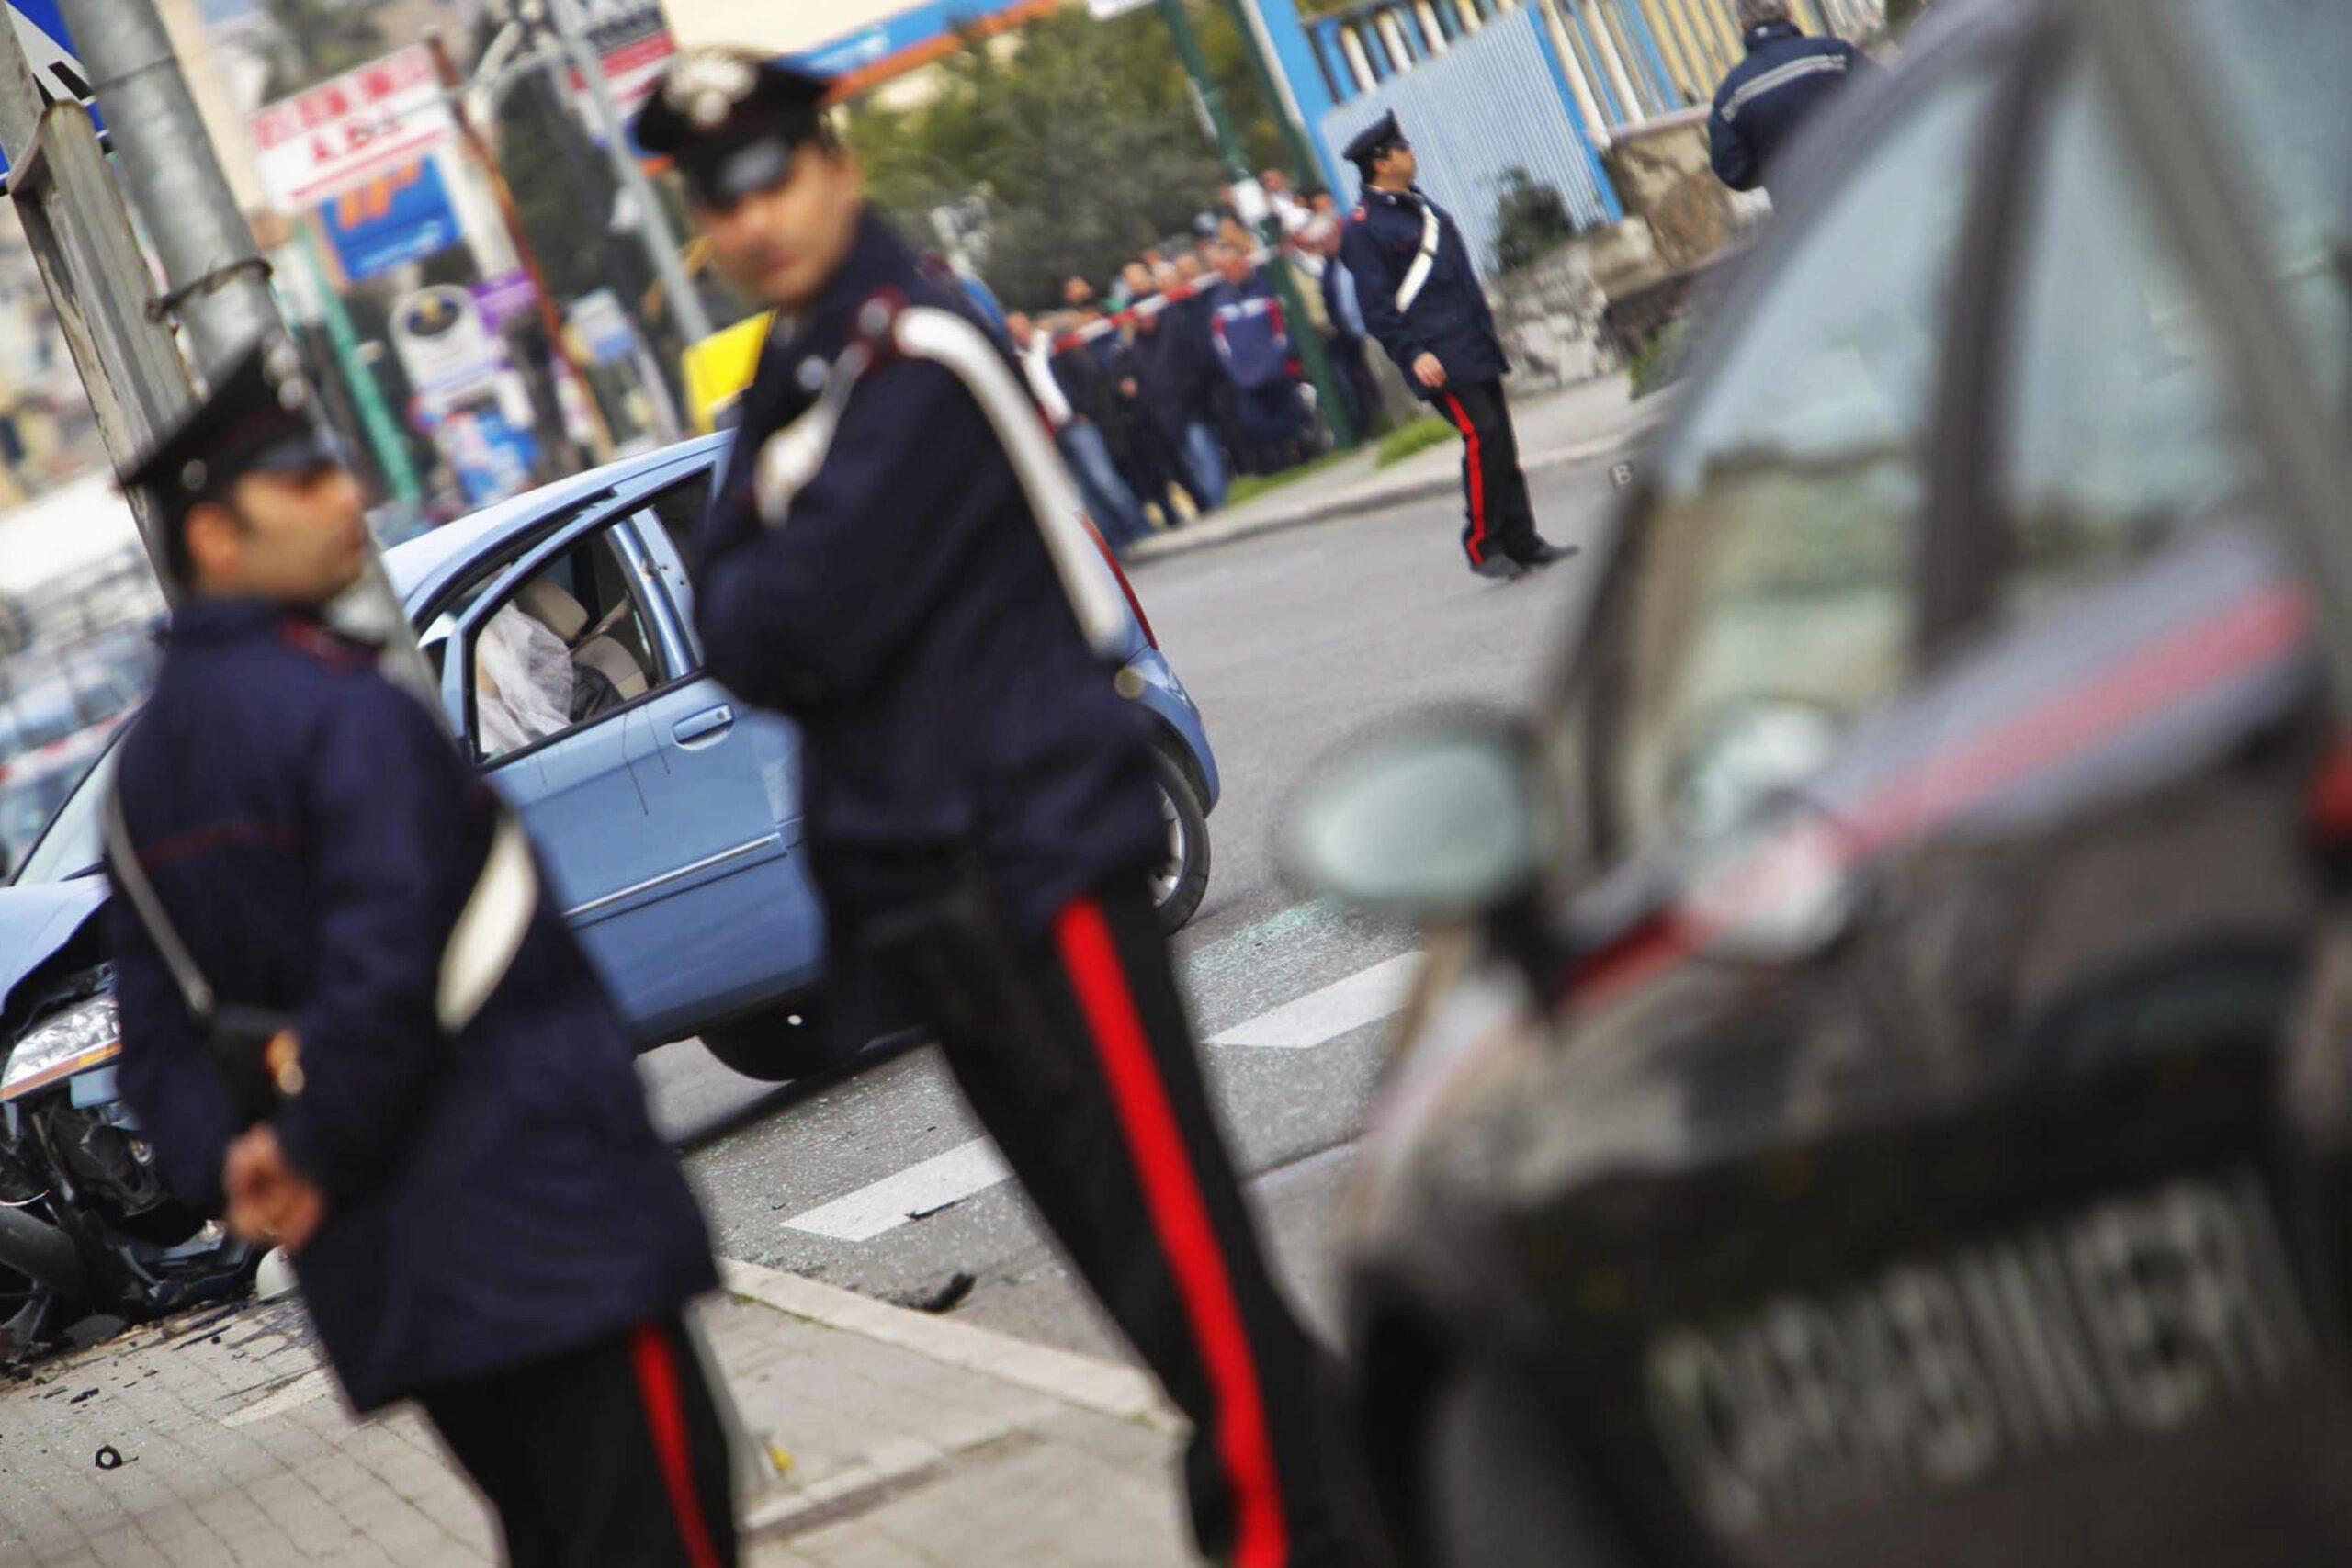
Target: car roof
{"x": 422, "y": 566}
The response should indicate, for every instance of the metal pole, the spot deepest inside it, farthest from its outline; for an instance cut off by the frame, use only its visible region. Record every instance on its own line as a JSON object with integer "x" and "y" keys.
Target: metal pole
{"x": 1306, "y": 169}
{"x": 1270, "y": 228}
{"x": 219, "y": 283}
{"x": 550, "y": 318}
{"x": 652, "y": 222}
{"x": 94, "y": 273}
{"x": 220, "y": 286}
{"x": 383, "y": 432}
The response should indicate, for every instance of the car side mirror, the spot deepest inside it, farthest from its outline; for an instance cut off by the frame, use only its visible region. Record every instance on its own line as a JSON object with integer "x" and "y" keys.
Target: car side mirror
{"x": 1443, "y": 821}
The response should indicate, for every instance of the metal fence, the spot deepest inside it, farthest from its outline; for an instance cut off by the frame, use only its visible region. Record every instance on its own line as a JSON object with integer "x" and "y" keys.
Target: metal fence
{"x": 1497, "y": 101}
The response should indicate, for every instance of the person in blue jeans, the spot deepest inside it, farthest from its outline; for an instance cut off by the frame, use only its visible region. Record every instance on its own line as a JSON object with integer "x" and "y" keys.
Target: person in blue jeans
{"x": 1108, "y": 499}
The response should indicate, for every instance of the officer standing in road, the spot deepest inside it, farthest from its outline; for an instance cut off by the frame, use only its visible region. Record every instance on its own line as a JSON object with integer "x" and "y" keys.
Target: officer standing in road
{"x": 350, "y": 1020}
{"x": 1774, "y": 92}
{"x": 1421, "y": 300}
{"x": 979, "y": 798}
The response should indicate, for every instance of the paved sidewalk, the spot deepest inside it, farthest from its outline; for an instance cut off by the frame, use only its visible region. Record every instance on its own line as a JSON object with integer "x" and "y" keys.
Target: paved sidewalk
{"x": 912, "y": 1439}
{"x": 1594, "y": 422}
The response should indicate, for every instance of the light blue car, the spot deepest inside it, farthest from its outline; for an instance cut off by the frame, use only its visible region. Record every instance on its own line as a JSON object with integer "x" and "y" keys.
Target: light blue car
{"x": 667, "y": 811}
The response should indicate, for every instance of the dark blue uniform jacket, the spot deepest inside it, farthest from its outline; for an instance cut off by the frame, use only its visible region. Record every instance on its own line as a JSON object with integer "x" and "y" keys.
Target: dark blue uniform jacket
{"x": 1449, "y": 318}
{"x": 1247, "y": 326}
{"x": 905, "y": 613}
{"x": 1173, "y": 366}
{"x": 1770, "y": 95}
{"x": 497, "y": 1198}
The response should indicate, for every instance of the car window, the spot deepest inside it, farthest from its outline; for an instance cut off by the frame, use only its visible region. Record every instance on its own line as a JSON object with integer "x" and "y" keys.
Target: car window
{"x": 679, "y": 510}
{"x": 2276, "y": 70}
{"x": 567, "y": 646}
{"x": 2117, "y": 434}
{"x": 1770, "y": 595}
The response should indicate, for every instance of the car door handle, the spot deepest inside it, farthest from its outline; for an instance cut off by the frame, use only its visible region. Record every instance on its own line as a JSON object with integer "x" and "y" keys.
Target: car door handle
{"x": 707, "y": 726}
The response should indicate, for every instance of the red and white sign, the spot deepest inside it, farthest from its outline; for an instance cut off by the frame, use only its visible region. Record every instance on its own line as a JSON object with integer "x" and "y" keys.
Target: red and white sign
{"x": 633, "y": 45}
{"x": 317, "y": 144}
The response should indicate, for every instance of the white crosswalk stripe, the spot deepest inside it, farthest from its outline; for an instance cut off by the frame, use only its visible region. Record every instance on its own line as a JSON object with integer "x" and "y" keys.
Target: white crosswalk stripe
{"x": 1363, "y": 997}
{"x": 886, "y": 1205}
{"x": 968, "y": 1169}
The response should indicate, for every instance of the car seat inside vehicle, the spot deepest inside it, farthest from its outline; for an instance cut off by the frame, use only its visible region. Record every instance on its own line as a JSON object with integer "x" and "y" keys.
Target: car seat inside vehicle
{"x": 604, "y": 649}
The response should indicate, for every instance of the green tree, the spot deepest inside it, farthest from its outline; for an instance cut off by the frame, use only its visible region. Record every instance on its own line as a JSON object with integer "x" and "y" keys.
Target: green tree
{"x": 1080, "y": 135}
{"x": 564, "y": 192}
{"x": 1531, "y": 220}
{"x": 316, "y": 39}
{"x": 1901, "y": 13}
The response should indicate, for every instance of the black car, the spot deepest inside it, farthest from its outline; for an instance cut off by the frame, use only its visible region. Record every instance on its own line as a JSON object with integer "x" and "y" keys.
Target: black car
{"x": 1882, "y": 1085}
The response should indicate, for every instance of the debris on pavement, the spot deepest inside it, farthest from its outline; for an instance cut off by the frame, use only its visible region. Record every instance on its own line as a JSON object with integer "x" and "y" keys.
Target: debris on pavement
{"x": 943, "y": 1299}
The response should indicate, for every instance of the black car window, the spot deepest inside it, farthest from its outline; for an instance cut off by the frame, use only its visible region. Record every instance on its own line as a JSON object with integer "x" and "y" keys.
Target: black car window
{"x": 679, "y": 510}
{"x": 1769, "y": 595}
{"x": 565, "y": 648}
{"x": 2116, "y": 433}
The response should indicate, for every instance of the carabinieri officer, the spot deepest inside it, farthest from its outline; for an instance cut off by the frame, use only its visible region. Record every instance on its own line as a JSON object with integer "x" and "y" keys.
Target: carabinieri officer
{"x": 1421, "y": 302}
{"x": 350, "y": 1020}
{"x": 979, "y": 800}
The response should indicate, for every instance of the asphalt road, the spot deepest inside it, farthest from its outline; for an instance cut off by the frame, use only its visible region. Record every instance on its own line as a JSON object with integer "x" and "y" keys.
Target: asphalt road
{"x": 1291, "y": 643}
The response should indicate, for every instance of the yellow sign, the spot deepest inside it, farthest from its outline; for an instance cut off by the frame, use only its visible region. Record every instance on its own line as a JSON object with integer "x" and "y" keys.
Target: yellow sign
{"x": 720, "y": 367}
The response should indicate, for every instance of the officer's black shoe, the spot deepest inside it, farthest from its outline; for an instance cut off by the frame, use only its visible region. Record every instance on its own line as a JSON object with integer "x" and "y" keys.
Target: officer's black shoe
{"x": 1543, "y": 552}
{"x": 1502, "y": 569}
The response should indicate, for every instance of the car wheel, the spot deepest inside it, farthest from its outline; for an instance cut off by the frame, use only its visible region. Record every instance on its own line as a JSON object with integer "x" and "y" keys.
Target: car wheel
{"x": 1498, "y": 1488}
{"x": 783, "y": 1042}
{"x": 1180, "y": 882}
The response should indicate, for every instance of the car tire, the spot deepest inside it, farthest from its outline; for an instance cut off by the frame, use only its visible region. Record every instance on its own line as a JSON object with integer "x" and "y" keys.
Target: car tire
{"x": 1498, "y": 1486}
{"x": 774, "y": 1045}
{"x": 1181, "y": 881}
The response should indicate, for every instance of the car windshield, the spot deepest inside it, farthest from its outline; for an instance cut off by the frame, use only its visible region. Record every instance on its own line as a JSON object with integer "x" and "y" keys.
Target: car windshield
{"x": 63, "y": 699}
{"x": 71, "y": 844}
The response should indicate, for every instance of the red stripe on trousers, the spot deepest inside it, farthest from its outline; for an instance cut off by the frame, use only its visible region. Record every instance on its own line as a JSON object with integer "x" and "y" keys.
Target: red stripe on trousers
{"x": 1181, "y": 1217}
{"x": 1477, "y": 541}
{"x": 666, "y": 1417}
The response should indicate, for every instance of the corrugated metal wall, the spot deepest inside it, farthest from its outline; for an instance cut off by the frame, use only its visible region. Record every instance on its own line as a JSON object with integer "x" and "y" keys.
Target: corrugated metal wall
{"x": 1496, "y": 100}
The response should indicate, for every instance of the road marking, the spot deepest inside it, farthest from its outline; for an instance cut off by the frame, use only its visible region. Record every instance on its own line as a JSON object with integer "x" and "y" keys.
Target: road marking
{"x": 969, "y": 1169}
{"x": 919, "y": 1190}
{"x": 1363, "y": 997}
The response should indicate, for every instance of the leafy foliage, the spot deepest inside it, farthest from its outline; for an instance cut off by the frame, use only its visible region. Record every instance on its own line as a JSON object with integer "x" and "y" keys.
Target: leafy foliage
{"x": 564, "y": 191}
{"x": 316, "y": 39}
{"x": 1531, "y": 220}
{"x": 1661, "y": 360}
{"x": 1080, "y": 135}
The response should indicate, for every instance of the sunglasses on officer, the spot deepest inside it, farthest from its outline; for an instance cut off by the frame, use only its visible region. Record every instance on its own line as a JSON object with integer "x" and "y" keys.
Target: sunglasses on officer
{"x": 720, "y": 182}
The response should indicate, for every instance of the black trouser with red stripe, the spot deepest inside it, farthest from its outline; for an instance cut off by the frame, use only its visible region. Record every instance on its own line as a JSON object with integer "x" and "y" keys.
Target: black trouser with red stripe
{"x": 611, "y": 1455}
{"x": 1501, "y": 520}
{"x": 1075, "y": 1051}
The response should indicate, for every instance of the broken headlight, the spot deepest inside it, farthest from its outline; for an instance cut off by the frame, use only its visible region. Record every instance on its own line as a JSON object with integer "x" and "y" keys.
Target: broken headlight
{"x": 83, "y": 1035}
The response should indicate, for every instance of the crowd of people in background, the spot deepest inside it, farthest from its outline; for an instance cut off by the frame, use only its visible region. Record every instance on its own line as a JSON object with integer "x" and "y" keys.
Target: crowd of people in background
{"x": 1186, "y": 371}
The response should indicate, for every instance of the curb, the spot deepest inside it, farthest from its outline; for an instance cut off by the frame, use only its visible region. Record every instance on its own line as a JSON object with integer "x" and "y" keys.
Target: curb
{"x": 1362, "y": 499}
{"x": 1105, "y": 1388}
